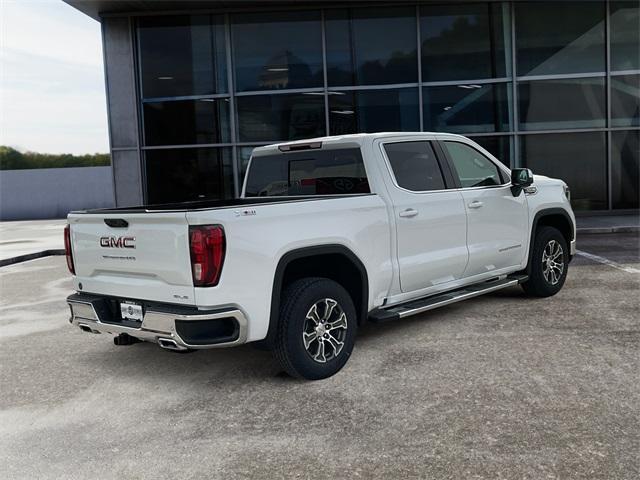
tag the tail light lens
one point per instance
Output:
(207, 247)
(67, 249)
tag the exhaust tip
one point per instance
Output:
(86, 328)
(170, 344)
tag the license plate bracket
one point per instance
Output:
(131, 311)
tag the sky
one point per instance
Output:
(52, 97)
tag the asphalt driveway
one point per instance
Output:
(498, 387)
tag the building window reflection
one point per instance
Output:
(552, 155)
(625, 101)
(559, 37)
(368, 111)
(277, 50)
(227, 83)
(280, 117)
(559, 104)
(625, 169)
(467, 108)
(182, 55)
(195, 174)
(367, 46)
(465, 41)
(625, 35)
(187, 122)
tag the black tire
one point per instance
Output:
(545, 281)
(296, 318)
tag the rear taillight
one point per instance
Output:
(67, 249)
(207, 247)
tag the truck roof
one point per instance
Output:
(353, 138)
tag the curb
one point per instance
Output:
(624, 229)
(30, 256)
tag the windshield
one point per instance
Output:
(312, 172)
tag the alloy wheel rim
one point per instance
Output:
(553, 262)
(325, 330)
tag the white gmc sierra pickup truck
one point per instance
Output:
(328, 233)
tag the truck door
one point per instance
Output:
(496, 220)
(431, 221)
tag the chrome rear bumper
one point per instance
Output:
(157, 326)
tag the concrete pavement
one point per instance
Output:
(26, 240)
(502, 386)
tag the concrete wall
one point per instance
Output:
(53, 192)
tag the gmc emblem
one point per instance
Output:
(118, 242)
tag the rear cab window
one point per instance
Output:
(338, 171)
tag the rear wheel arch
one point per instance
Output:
(557, 218)
(335, 262)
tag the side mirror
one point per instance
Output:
(520, 179)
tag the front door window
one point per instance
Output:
(472, 167)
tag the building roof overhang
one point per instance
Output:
(99, 8)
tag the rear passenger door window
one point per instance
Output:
(472, 168)
(415, 166)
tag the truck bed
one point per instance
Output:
(210, 204)
(143, 253)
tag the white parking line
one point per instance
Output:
(606, 261)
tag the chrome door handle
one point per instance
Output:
(409, 212)
(475, 204)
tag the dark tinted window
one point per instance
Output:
(466, 108)
(577, 158)
(625, 35)
(277, 50)
(313, 172)
(472, 167)
(188, 174)
(371, 46)
(625, 168)
(280, 117)
(559, 37)
(464, 41)
(182, 55)
(370, 111)
(625, 100)
(555, 104)
(415, 166)
(187, 122)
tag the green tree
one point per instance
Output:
(11, 159)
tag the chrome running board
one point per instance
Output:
(421, 305)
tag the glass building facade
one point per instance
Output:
(553, 86)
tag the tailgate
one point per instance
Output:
(140, 256)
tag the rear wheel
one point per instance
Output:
(317, 328)
(549, 263)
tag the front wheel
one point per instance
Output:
(317, 328)
(549, 263)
